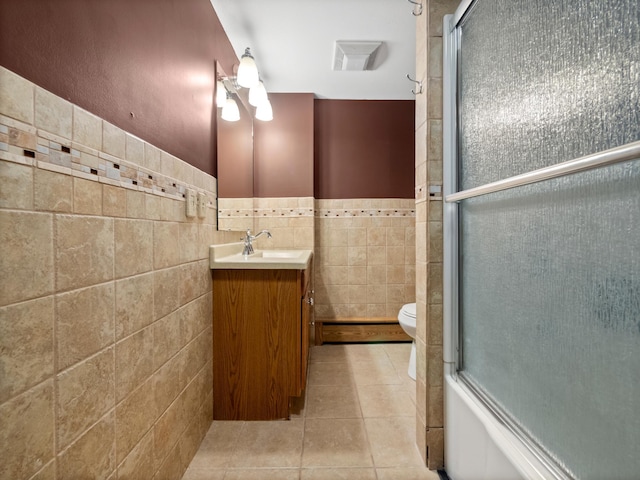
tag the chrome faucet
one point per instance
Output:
(248, 246)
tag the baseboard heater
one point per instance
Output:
(359, 330)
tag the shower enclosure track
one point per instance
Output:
(630, 151)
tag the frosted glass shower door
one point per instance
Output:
(549, 272)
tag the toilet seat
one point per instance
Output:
(408, 311)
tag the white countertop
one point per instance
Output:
(229, 256)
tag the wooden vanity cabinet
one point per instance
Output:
(260, 341)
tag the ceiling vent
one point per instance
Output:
(354, 56)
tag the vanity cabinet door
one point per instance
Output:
(256, 343)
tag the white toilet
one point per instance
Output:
(407, 319)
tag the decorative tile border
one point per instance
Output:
(22, 142)
(386, 212)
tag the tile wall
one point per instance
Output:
(105, 298)
(365, 257)
(289, 220)
(429, 382)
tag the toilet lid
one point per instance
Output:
(409, 310)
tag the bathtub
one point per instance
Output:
(478, 446)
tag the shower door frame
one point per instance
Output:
(507, 439)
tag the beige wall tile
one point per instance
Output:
(26, 259)
(435, 241)
(87, 128)
(437, 10)
(152, 158)
(434, 283)
(435, 325)
(47, 473)
(357, 275)
(153, 207)
(166, 291)
(134, 150)
(134, 361)
(166, 386)
(194, 280)
(53, 114)
(84, 393)
(396, 274)
(434, 140)
(435, 366)
(92, 455)
(377, 255)
(376, 274)
(376, 293)
(434, 65)
(357, 294)
(167, 338)
(195, 317)
(53, 191)
(84, 323)
(167, 430)
(26, 343)
(134, 304)
(376, 236)
(436, 408)
(139, 464)
(114, 201)
(20, 103)
(135, 204)
(395, 255)
(87, 197)
(84, 251)
(134, 418)
(166, 241)
(170, 467)
(357, 256)
(113, 140)
(26, 432)
(434, 93)
(188, 239)
(17, 185)
(435, 439)
(133, 247)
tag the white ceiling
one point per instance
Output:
(293, 44)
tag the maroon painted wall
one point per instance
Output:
(283, 148)
(364, 149)
(235, 156)
(155, 59)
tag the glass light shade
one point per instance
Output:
(230, 111)
(221, 94)
(247, 71)
(264, 111)
(258, 94)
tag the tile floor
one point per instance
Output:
(357, 422)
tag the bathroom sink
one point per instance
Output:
(229, 256)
